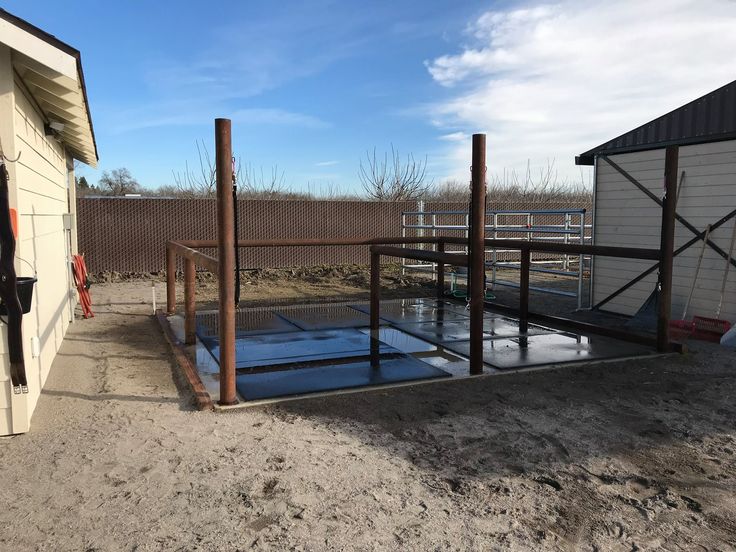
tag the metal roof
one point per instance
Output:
(51, 71)
(710, 118)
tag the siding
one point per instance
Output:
(625, 216)
(7, 108)
(41, 191)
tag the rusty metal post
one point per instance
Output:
(375, 306)
(667, 246)
(476, 251)
(526, 257)
(225, 259)
(190, 321)
(441, 273)
(170, 280)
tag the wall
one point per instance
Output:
(7, 139)
(625, 216)
(40, 183)
(129, 235)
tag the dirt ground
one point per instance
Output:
(618, 456)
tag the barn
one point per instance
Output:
(45, 127)
(628, 187)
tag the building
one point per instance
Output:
(44, 119)
(624, 215)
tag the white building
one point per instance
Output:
(44, 119)
(705, 131)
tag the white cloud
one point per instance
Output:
(196, 113)
(549, 81)
(326, 163)
(454, 137)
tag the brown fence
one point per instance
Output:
(129, 234)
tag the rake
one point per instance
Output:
(711, 329)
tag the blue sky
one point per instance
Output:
(311, 86)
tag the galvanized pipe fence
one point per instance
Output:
(566, 226)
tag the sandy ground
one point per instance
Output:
(619, 456)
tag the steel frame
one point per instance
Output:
(474, 260)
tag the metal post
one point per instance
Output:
(403, 235)
(476, 247)
(566, 239)
(440, 273)
(420, 221)
(667, 246)
(190, 322)
(495, 251)
(581, 261)
(524, 290)
(170, 281)
(434, 233)
(375, 292)
(226, 259)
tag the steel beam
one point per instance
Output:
(667, 247)
(190, 320)
(477, 252)
(226, 259)
(170, 280)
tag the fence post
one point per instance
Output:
(225, 259)
(476, 246)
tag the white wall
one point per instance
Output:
(624, 216)
(40, 184)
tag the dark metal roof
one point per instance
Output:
(710, 118)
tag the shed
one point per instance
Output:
(629, 178)
(45, 124)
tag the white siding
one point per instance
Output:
(7, 136)
(39, 181)
(625, 216)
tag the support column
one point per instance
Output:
(375, 306)
(225, 259)
(190, 323)
(667, 246)
(170, 281)
(524, 291)
(476, 251)
(441, 273)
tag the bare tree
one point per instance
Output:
(533, 187)
(257, 184)
(392, 180)
(202, 183)
(118, 182)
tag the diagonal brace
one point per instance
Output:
(678, 217)
(699, 236)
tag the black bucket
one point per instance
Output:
(24, 285)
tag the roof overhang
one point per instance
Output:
(51, 71)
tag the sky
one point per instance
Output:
(312, 86)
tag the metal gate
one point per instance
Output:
(555, 225)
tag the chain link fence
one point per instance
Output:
(128, 235)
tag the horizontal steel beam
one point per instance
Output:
(421, 255)
(313, 242)
(572, 248)
(199, 258)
